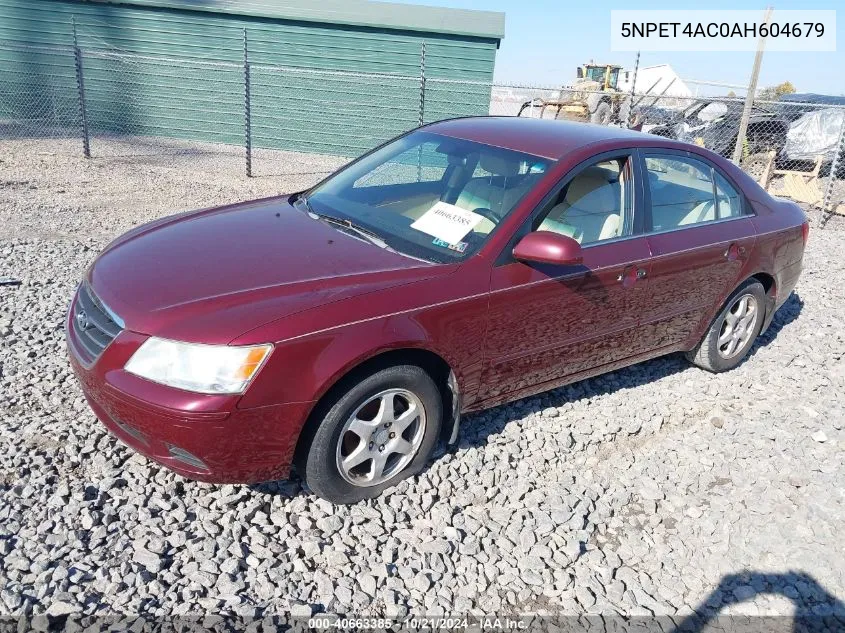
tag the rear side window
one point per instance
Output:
(729, 204)
(685, 192)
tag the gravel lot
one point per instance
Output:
(659, 489)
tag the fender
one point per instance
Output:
(313, 363)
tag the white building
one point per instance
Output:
(654, 80)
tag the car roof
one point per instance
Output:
(541, 137)
(812, 97)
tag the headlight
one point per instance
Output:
(201, 368)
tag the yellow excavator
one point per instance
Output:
(594, 97)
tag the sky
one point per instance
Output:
(545, 40)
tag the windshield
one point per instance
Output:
(596, 73)
(429, 196)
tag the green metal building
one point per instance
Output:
(331, 76)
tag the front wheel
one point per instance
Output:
(376, 433)
(733, 331)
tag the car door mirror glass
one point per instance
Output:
(545, 247)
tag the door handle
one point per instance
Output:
(641, 273)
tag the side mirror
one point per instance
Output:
(579, 73)
(545, 247)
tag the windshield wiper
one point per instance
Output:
(350, 226)
(343, 223)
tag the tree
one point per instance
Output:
(731, 93)
(773, 93)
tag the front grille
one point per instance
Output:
(94, 325)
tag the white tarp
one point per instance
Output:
(814, 134)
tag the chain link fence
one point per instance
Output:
(792, 149)
(118, 104)
(39, 94)
(144, 105)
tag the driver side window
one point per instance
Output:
(593, 206)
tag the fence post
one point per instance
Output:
(827, 203)
(633, 88)
(247, 112)
(751, 94)
(80, 86)
(422, 84)
(422, 108)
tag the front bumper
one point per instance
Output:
(199, 436)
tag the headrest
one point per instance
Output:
(498, 166)
(585, 183)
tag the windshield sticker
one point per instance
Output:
(447, 222)
(460, 246)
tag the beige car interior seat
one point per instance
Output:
(590, 210)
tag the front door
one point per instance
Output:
(547, 323)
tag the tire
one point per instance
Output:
(755, 164)
(357, 406)
(625, 112)
(601, 114)
(716, 357)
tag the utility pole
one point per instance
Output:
(752, 92)
(627, 120)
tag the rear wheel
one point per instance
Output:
(734, 329)
(755, 164)
(373, 435)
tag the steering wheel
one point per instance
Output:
(487, 213)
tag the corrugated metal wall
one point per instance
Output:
(164, 72)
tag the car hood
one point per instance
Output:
(210, 276)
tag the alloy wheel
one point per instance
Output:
(381, 437)
(737, 326)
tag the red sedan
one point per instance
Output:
(468, 263)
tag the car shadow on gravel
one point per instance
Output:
(786, 314)
(816, 609)
(286, 488)
(477, 427)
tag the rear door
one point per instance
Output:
(547, 323)
(700, 237)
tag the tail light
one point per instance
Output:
(805, 231)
